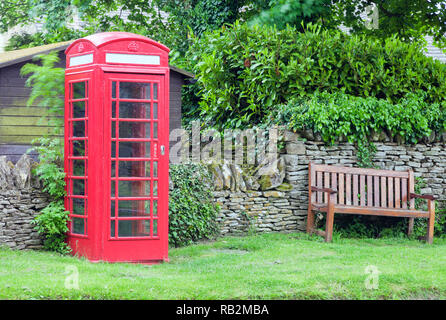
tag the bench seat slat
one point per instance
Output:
(376, 211)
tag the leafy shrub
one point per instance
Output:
(340, 115)
(52, 221)
(246, 71)
(192, 212)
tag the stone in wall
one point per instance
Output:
(229, 176)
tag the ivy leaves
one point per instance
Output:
(192, 212)
(336, 115)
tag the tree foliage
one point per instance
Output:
(244, 72)
(54, 14)
(173, 21)
(295, 12)
(409, 20)
(167, 21)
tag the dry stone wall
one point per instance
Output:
(21, 199)
(284, 206)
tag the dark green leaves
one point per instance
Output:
(245, 71)
(192, 212)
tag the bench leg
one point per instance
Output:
(410, 227)
(329, 226)
(330, 219)
(431, 222)
(310, 220)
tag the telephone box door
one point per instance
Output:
(136, 128)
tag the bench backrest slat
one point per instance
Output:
(319, 184)
(411, 190)
(404, 193)
(355, 189)
(376, 193)
(362, 190)
(341, 193)
(326, 183)
(348, 189)
(362, 187)
(397, 193)
(383, 192)
(311, 177)
(390, 192)
(369, 191)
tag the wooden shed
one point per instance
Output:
(20, 124)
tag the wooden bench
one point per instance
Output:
(336, 189)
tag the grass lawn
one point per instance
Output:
(266, 266)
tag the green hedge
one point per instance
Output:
(245, 71)
(338, 115)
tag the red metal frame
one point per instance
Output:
(98, 242)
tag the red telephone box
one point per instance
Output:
(116, 147)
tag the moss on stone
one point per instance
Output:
(265, 182)
(285, 187)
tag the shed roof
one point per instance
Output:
(16, 56)
(9, 58)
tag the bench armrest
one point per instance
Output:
(330, 191)
(425, 196)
